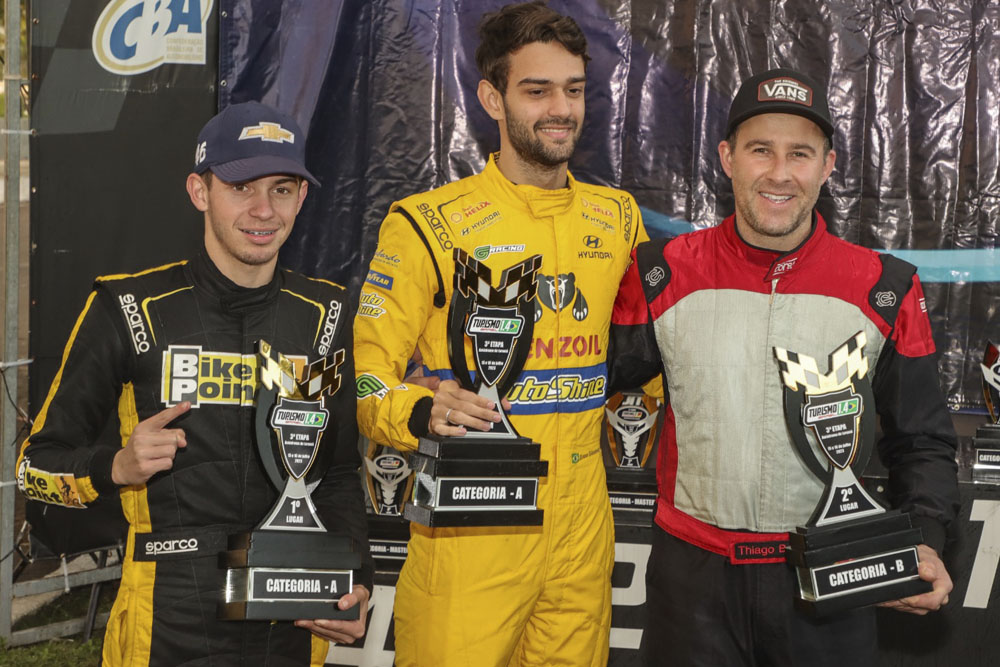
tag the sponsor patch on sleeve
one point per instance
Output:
(57, 488)
(379, 280)
(369, 385)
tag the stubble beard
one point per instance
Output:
(530, 148)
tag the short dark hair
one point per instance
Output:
(503, 32)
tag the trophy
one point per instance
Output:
(986, 443)
(629, 442)
(289, 567)
(388, 481)
(852, 551)
(483, 478)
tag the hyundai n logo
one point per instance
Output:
(592, 241)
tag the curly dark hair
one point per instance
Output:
(503, 32)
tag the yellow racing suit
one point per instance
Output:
(504, 595)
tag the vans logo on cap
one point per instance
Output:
(784, 89)
(267, 132)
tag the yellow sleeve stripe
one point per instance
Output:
(40, 419)
(120, 276)
(319, 307)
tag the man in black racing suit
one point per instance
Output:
(173, 349)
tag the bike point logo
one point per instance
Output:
(135, 36)
(202, 376)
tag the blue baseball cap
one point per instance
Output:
(249, 140)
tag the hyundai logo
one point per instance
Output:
(592, 241)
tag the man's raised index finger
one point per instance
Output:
(164, 417)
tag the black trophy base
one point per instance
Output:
(437, 518)
(476, 481)
(856, 563)
(633, 494)
(986, 455)
(287, 575)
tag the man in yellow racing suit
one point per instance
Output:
(507, 595)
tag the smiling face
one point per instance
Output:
(541, 113)
(246, 223)
(777, 163)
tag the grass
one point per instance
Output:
(66, 652)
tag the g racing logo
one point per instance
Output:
(136, 325)
(192, 374)
(135, 36)
(369, 385)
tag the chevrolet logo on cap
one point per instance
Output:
(267, 132)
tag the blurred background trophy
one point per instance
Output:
(852, 552)
(388, 483)
(289, 567)
(986, 443)
(632, 421)
(483, 478)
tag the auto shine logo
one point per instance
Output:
(135, 36)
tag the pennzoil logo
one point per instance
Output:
(57, 488)
(266, 131)
(135, 36)
(218, 378)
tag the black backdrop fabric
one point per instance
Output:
(387, 90)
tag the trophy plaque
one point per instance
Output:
(289, 567)
(483, 478)
(632, 421)
(986, 442)
(852, 551)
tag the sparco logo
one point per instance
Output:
(654, 276)
(885, 299)
(136, 325)
(329, 327)
(784, 89)
(181, 546)
(440, 233)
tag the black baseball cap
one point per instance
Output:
(781, 91)
(250, 140)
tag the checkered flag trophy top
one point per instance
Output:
(289, 567)
(483, 478)
(499, 321)
(839, 409)
(852, 552)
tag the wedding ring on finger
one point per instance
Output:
(447, 416)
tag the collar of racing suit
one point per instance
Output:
(774, 263)
(232, 297)
(538, 202)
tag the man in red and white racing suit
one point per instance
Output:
(707, 310)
